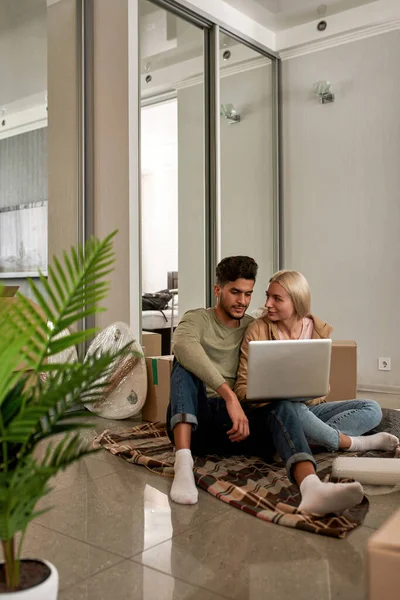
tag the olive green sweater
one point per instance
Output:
(209, 349)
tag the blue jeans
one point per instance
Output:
(273, 428)
(322, 423)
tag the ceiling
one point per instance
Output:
(283, 14)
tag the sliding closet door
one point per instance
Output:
(247, 165)
(172, 158)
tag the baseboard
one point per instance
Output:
(379, 388)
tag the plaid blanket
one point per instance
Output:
(247, 483)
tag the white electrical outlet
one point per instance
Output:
(384, 364)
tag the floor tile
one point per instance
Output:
(381, 508)
(244, 558)
(130, 581)
(125, 512)
(74, 560)
(91, 467)
(85, 470)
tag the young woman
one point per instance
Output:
(334, 425)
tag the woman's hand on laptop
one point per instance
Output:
(240, 423)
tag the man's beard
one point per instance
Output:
(227, 310)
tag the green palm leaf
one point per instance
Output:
(63, 390)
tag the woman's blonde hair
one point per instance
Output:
(298, 289)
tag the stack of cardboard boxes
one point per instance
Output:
(158, 377)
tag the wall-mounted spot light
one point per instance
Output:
(323, 90)
(230, 113)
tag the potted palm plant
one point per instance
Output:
(35, 407)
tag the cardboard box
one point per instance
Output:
(343, 380)
(151, 343)
(9, 291)
(158, 386)
(384, 561)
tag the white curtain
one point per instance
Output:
(23, 239)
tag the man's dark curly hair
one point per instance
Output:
(236, 267)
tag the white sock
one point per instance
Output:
(377, 441)
(324, 498)
(184, 489)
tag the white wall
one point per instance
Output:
(341, 185)
(159, 228)
(159, 199)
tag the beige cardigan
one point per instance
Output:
(263, 329)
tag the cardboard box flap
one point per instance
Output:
(350, 343)
(388, 536)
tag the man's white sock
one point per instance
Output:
(184, 489)
(377, 441)
(324, 498)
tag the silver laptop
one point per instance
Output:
(292, 369)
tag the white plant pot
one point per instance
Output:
(48, 590)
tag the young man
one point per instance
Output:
(205, 415)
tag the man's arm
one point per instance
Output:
(190, 353)
(241, 377)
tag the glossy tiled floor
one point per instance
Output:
(114, 534)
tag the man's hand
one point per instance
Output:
(240, 423)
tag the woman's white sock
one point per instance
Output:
(324, 498)
(184, 489)
(377, 441)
